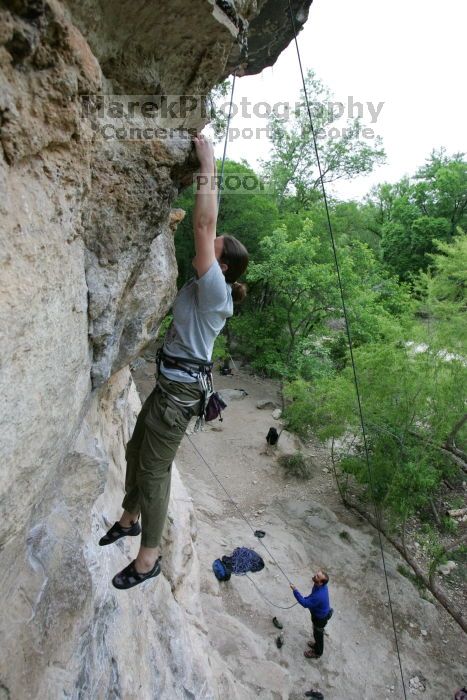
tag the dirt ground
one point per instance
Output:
(306, 528)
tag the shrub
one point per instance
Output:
(296, 465)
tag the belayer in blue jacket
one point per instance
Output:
(318, 605)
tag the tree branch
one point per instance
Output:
(428, 581)
(446, 451)
(450, 438)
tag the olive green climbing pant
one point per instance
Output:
(158, 432)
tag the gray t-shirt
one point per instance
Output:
(200, 310)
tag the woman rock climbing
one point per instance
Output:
(199, 313)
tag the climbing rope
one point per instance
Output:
(349, 340)
(281, 607)
(243, 516)
(243, 560)
(221, 178)
(350, 344)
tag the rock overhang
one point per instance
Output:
(175, 47)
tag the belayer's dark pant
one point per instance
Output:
(157, 435)
(318, 633)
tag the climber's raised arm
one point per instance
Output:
(205, 212)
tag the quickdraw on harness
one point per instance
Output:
(211, 404)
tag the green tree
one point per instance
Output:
(292, 168)
(441, 188)
(293, 291)
(443, 295)
(442, 308)
(405, 247)
(411, 388)
(411, 214)
(295, 295)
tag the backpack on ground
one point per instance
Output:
(272, 437)
(221, 572)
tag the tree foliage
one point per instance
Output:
(294, 296)
(292, 167)
(415, 212)
(403, 259)
(411, 393)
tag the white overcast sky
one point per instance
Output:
(409, 54)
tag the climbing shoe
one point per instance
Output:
(117, 531)
(276, 623)
(314, 694)
(129, 577)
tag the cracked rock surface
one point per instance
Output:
(88, 273)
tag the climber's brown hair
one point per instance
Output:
(235, 256)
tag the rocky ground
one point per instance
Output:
(306, 527)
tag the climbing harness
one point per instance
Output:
(350, 344)
(211, 404)
(192, 367)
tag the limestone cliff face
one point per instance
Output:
(66, 631)
(88, 272)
